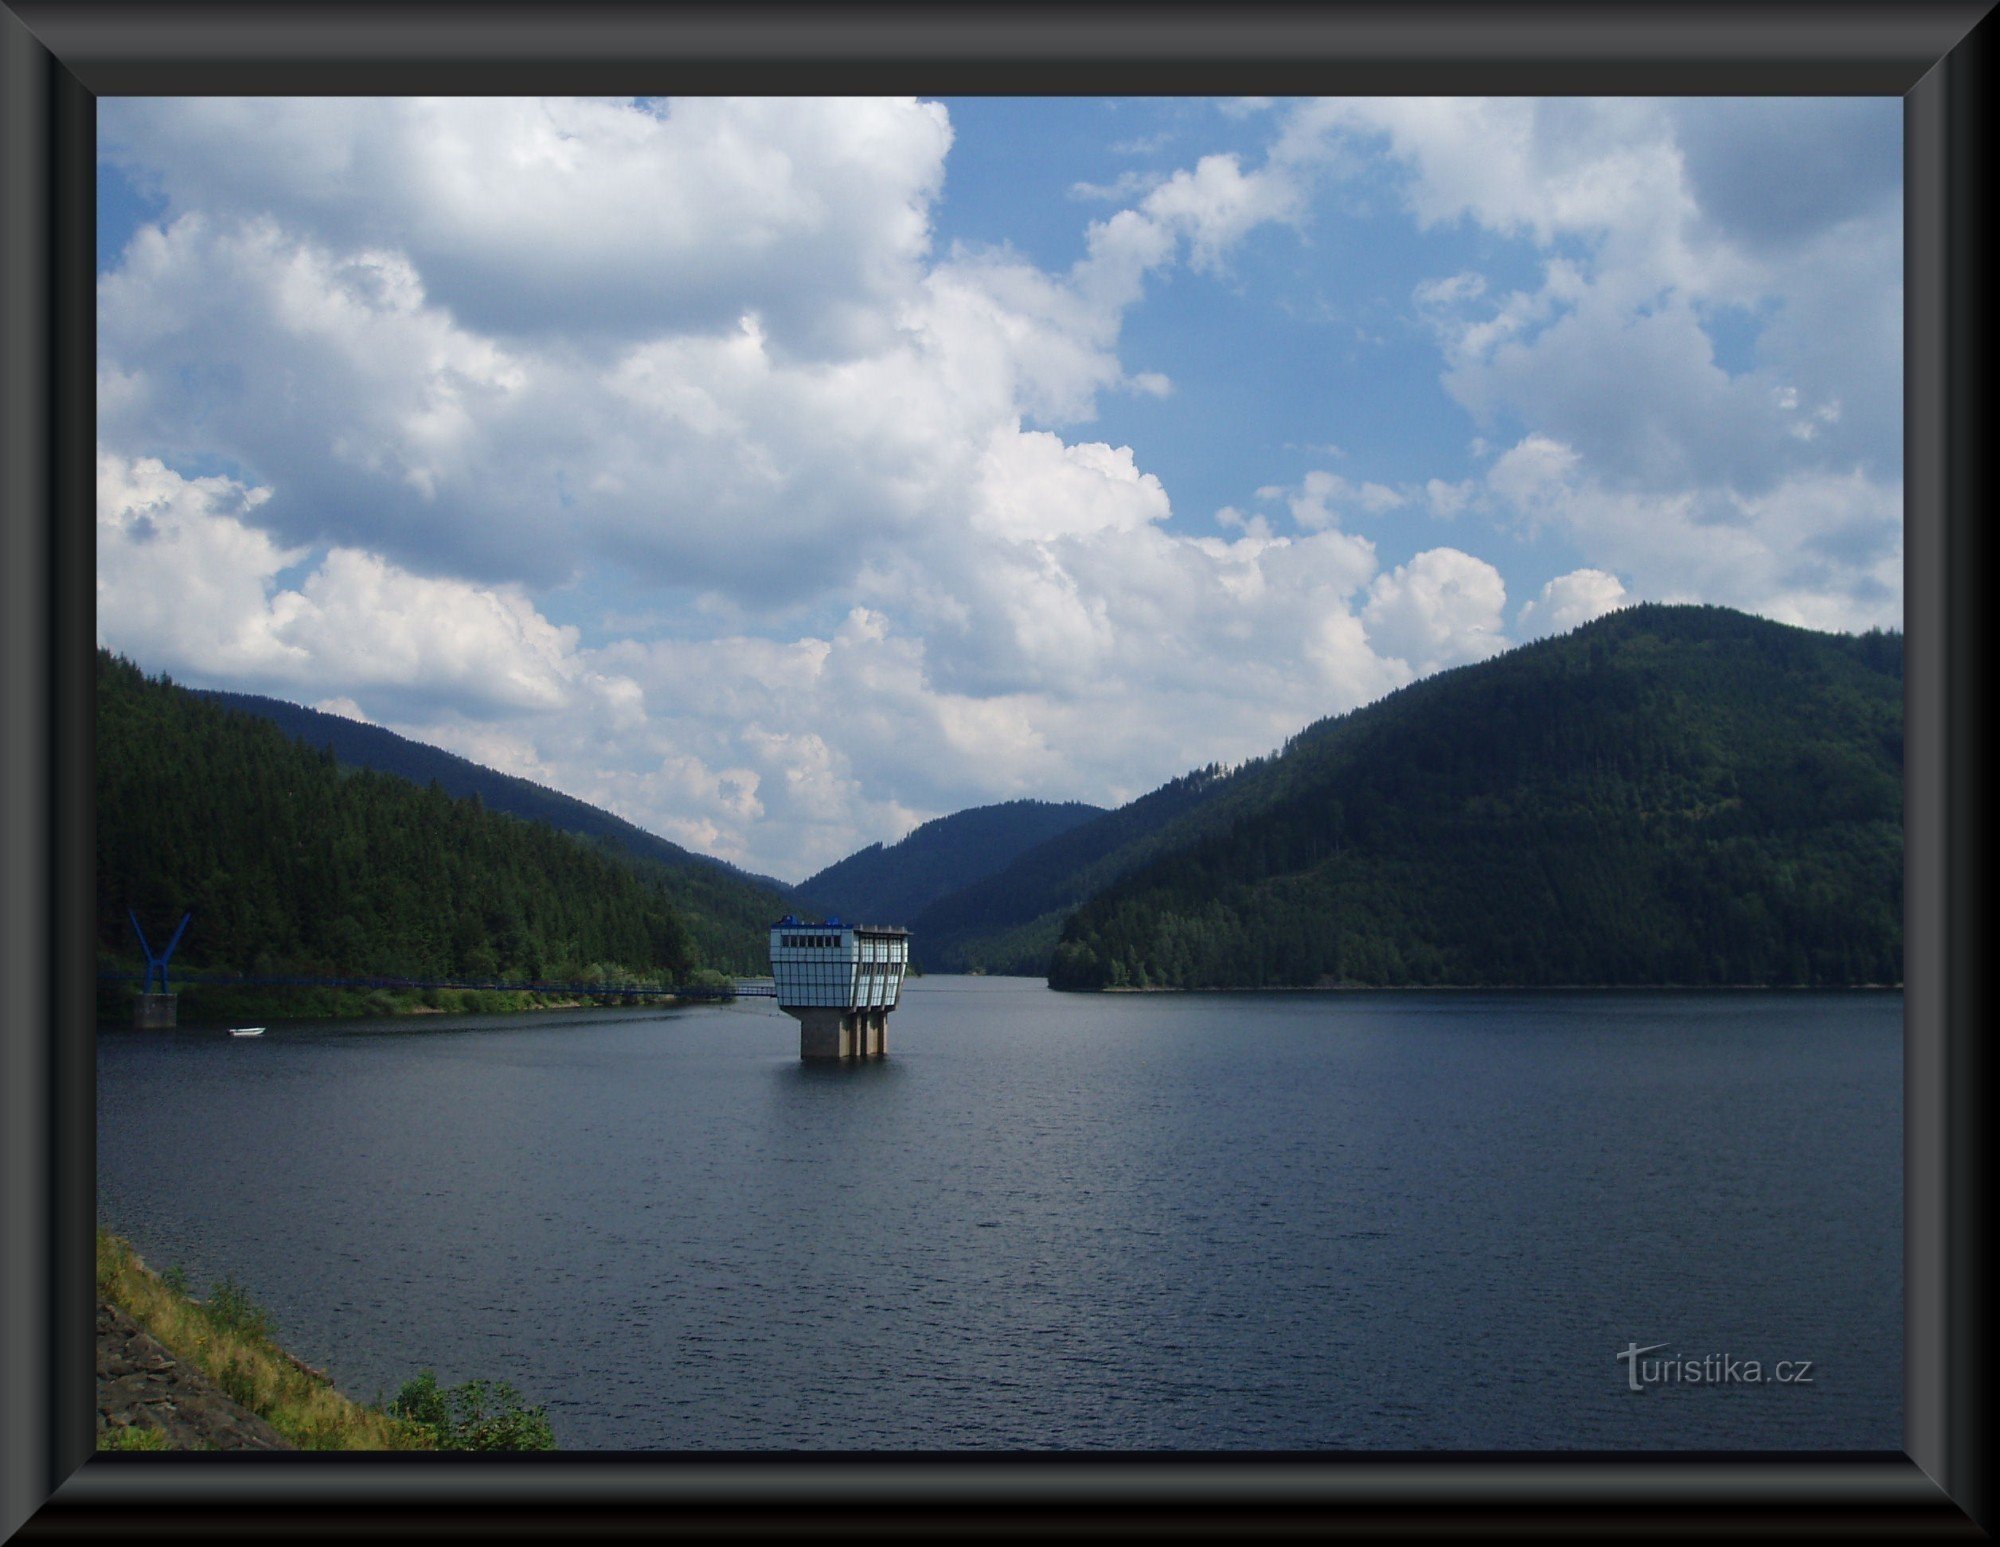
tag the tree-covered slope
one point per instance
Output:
(893, 883)
(727, 910)
(1667, 795)
(291, 863)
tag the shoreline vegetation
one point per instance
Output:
(203, 1005)
(1505, 988)
(229, 1340)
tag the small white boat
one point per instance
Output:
(246, 1031)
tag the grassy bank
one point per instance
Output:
(229, 1339)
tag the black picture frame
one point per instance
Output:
(57, 56)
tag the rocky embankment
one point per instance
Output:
(141, 1385)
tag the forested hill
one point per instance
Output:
(728, 910)
(1668, 795)
(291, 863)
(892, 884)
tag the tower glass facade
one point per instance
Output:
(838, 966)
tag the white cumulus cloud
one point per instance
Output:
(1571, 600)
(1443, 608)
(181, 578)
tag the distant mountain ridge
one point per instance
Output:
(893, 883)
(728, 910)
(1008, 922)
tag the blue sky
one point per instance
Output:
(781, 474)
(1311, 327)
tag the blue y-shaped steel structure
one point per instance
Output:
(157, 964)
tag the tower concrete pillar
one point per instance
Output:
(155, 1012)
(831, 1033)
(819, 1033)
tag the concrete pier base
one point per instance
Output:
(833, 1033)
(155, 1012)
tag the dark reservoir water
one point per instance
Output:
(1274, 1222)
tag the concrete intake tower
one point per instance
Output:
(840, 981)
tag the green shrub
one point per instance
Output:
(479, 1415)
(230, 1308)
